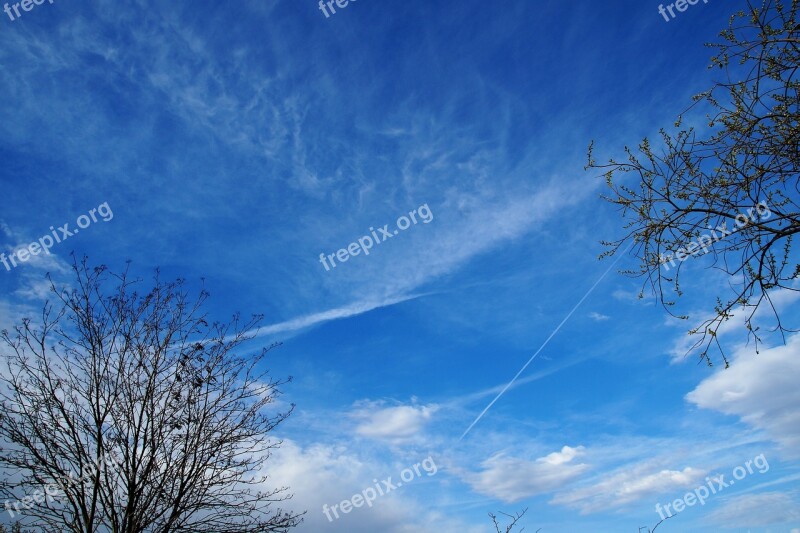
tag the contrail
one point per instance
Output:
(521, 370)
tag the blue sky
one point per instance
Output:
(237, 142)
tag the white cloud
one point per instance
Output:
(314, 319)
(512, 479)
(34, 268)
(598, 317)
(757, 510)
(761, 390)
(394, 424)
(566, 455)
(328, 474)
(627, 485)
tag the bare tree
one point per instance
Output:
(16, 528)
(516, 517)
(128, 412)
(656, 526)
(731, 191)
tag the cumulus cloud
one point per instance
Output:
(566, 455)
(598, 317)
(321, 474)
(761, 390)
(512, 479)
(396, 423)
(628, 485)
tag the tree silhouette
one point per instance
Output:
(128, 412)
(512, 524)
(731, 191)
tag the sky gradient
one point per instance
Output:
(236, 142)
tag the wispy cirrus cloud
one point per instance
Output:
(630, 484)
(315, 319)
(757, 510)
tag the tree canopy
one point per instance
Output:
(729, 190)
(128, 412)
